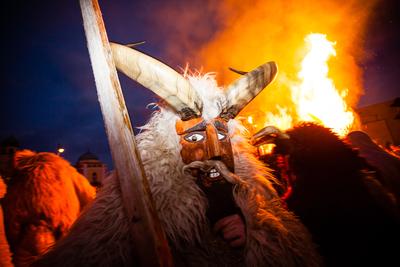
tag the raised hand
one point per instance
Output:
(232, 229)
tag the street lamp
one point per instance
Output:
(60, 149)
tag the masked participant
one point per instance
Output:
(213, 197)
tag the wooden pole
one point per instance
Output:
(150, 247)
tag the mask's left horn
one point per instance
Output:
(159, 78)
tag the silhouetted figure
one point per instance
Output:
(349, 213)
(388, 165)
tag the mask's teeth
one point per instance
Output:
(213, 173)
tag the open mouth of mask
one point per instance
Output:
(207, 172)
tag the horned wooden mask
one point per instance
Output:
(200, 139)
(205, 140)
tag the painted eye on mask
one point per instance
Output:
(221, 136)
(194, 137)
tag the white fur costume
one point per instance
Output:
(274, 236)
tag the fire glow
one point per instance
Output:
(319, 75)
(316, 99)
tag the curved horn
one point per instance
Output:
(268, 135)
(244, 89)
(132, 45)
(238, 71)
(159, 78)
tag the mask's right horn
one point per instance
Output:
(159, 78)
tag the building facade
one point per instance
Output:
(92, 168)
(382, 122)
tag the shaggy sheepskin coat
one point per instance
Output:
(45, 196)
(101, 236)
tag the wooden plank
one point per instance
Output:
(151, 247)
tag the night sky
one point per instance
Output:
(48, 95)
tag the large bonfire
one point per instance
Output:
(315, 97)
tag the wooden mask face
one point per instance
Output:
(203, 140)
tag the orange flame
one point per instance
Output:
(316, 98)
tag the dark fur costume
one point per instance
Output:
(45, 196)
(348, 212)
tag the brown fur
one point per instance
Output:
(45, 196)
(100, 236)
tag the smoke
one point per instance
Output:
(183, 28)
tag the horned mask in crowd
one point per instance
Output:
(200, 139)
